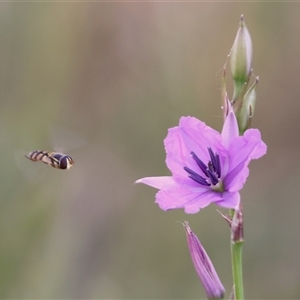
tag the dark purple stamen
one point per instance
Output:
(218, 165)
(200, 163)
(196, 177)
(213, 178)
(212, 170)
(215, 162)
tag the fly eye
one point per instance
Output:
(64, 162)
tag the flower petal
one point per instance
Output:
(230, 200)
(241, 151)
(230, 128)
(190, 135)
(159, 182)
(255, 136)
(191, 200)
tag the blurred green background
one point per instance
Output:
(117, 76)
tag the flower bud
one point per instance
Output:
(203, 266)
(245, 115)
(241, 60)
(237, 226)
(225, 100)
(235, 221)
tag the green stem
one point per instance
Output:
(237, 270)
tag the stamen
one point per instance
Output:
(215, 161)
(200, 163)
(212, 157)
(214, 180)
(218, 165)
(212, 170)
(196, 177)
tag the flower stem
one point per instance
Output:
(237, 270)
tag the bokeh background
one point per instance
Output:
(111, 78)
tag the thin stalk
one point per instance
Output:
(237, 270)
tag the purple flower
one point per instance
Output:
(207, 167)
(203, 266)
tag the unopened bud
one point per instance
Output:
(225, 100)
(237, 226)
(235, 221)
(245, 115)
(241, 60)
(203, 266)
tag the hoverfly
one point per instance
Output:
(54, 159)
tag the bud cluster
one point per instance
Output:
(243, 99)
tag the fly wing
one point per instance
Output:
(64, 140)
